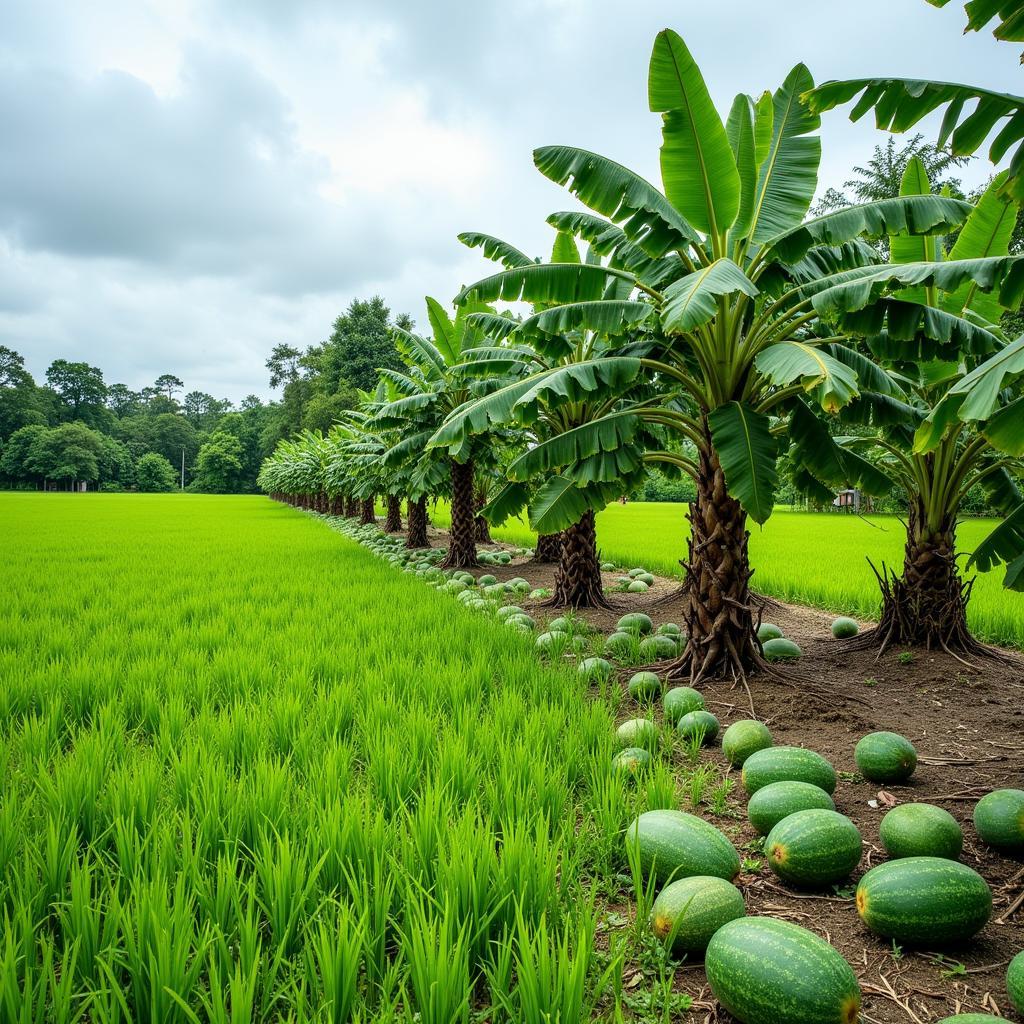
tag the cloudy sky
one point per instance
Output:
(185, 183)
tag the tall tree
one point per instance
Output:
(169, 385)
(79, 388)
(361, 343)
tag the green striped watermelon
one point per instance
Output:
(690, 910)
(744, 738)
(999, 819)
(813, 848)
(921, 830)
(631, 762)
(701, 723)
(765, 971)
(781, 649)
(924, 901)
(885, 757)
(644, 686)
(674, 844)
(1015, 982)
(638, 732)
(768, 631)
(973, 1018)
(787, 764)
(679, 701)
(768, 806)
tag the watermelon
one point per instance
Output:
(509, 610)
(674, 844)
(669, 629)
(560, 625)
(634, 573)
(787, 764)
(813, 848)
(679, 701)
(843, 628)
(973, 1018)
(921, 830)
(607, 567)
(549, 641)
(595, 669)
(638, 587)
(635, 622)
(781, 649)
(654, 648)
(631, 761)
(766, 971)
(744, 738)
(701, 723)
(999, 819)
(690, 910)
(644, 686)
(768, 631)
(1015, 982)
(924, 901)
(885, 757)
(778, 800)
(637, 732)
(620, 645)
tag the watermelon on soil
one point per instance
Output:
(635, 622)
(620, 644)
(768, 631)
(781, 649)
(690, 910)
(674, 844)
(644, 686)
(778, 800)
(631, 761)
(999, 819)
(680, 701)
(655, 648)
(637, 732)
(767, 971)
(787, 764)
(701, 723)
(595, 669)
(814, 848)
(921, 830)
(1015, 982)
(924, 901)
(843, 628)
(744, 738)
(885, 757)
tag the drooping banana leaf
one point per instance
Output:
(545, 282)
(833, 383)
(1005, 544)
(693, 300)
(496, 249)
(605, 436)
(747, 451)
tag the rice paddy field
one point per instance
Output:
(818, 559)
(251, 773)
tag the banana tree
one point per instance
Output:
(295, 471)
(710, 273)
(554, 385)
(946, 419)
(972, 114)
(433, 385)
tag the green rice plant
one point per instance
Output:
(698, 781)
(720, 794)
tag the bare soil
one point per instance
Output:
(968, 728)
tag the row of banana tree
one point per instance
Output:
(710, 328)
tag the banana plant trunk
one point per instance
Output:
(462, 534)
(393, 521)
(720, 620)
(416, 518)
(927, 605)
(483, 528)
(351, 508)
(578, 576)
(548, 549)
(366, 514)
(337, 505)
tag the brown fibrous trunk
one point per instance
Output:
(720, 618)
(548, 549)
(351, 508)
(366, 516)
(578, 577)
(483, 528)
(462, 534)
(393, 522)
(416, 517)
(926, 606)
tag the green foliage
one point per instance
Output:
(154, 473)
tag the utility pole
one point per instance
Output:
(183, 467)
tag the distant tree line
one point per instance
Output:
(73, 429)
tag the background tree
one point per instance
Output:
(21, 403)
(219, 464)
(168, 385)
(15, 463)
(153, 473)
(79, 389)
(68, 453)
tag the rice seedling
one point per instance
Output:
(252, 773)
